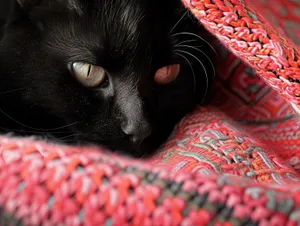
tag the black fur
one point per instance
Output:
(131, 39)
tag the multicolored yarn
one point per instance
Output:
(234, 162)
(45, 184)
(251, 38)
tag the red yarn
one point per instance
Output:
(235, 162)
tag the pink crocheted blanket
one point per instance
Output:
(235, 162)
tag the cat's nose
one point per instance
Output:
(137, 132)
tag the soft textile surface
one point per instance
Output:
(235, 162)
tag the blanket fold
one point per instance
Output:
(233, 162)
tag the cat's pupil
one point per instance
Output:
(89, 70)
(167, 74)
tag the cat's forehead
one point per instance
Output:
(114, 30)
(114, 21)
(112, 17)
(108, 8)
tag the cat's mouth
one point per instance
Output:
(142, 149)
(138, 149)
(145, 148)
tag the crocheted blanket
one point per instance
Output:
(234, 162)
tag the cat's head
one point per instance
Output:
(112, 72)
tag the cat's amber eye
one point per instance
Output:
(87, 74)
(166, 75)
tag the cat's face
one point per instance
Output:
(112, 72)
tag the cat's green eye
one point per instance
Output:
(88, 75)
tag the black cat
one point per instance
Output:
(120, 73)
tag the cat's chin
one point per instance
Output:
(141, 152)
(144, 150)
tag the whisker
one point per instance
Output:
(192, 34)
(206, 75)
(192, 47)
(194, 76)
(186, 41)
(178, 21)
(69, 142)
(65, 137)
(32, 131)
(38, 129)
(11, 91)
